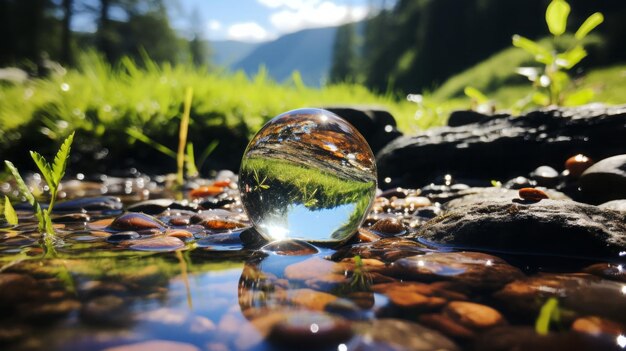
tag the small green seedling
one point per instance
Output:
(549, 313)
(9, 212)
(52, 174)
(553, 78)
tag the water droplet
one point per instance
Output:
(300, 187)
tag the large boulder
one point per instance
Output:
(550, 227)
(503, 146)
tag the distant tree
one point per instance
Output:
(198, 48)
(66, 32)
(344, 61)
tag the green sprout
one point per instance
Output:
(9, 212)
(360, 279)
(52, 173)
(551, 81)
(185, 159)
(549, 313)
(260, 183)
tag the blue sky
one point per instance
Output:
(248, 20)
(262, 20)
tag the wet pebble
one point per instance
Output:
(598, 326)
(136, 221)
(395, 334)
(154, 345)
(205, 191)
(310, 299)
(72, 218)
(104, 310)
(15, 288)
(385, 249)
(532, 194)
(388, 226)
(471, 269)
(157, 244)
(520, 182)
(180, 234)
(611, 271)
(577, 164)
(122, 236)
(310, 331)
(100, 203)
(473, 315)
(157, 206)
(545, 176)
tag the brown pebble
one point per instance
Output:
(162, 243)
(532, 194)
(576, 165)
(310, 299)
(180, 234)
(473, 315)
(154, 345)
(205, 191)
(597, 326)
(313, 330)
(136, 221)
(388, 226)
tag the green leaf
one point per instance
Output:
(540, 53)
(581, 97)
(476, 94)
(9, 212)
(44, 168)
(60, 160)
(590, 23)
(549, 311)
(540, 99)
(496, 183)
(556, 16)
(21, 185)
(571, 57)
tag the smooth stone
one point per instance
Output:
(100, 203)
(220, 220)
(579, 294)
(310, 330)
(520, 338)
(317, 269)
(545, 176)
(520, 182)
(473, 315)
(598, 326)
(122, 236)
(472, 269)
(411, 295)
(290, 247)
(532, 194)
(157, 244)
(155, 345)
(136, 221)
(396, 334)
(609, 271)
(615, 205)
(537, 228)
(310, 299)
(180, 234)
(226, 241)
(605, 180)
(72, 218)
(157, 206)
(214, 203)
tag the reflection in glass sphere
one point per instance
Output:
(307, 174)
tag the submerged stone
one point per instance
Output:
(307, 174)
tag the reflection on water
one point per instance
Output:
(307, 174)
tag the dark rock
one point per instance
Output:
(547, 227)
(122, 236)
(466, 269)
(15, 288)
(136, 221)
(388, 226)
(504, 147)
(464, 117)
(376, 125)
(72, 218)
(395, 334)
(386, 249)
(310, 331)
(605, 180)
(607, 271)
(104, 310)
(157, 206)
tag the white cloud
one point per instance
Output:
(292, 4)
(248, 31)
(214, 25)
(312, 14)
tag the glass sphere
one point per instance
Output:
(307, 174)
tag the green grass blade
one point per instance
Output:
(146, 140)
(207, 152)
(9, 212)
(192, 170)
(182, 134)
(60, 160)
(44, 168)
(21, 185)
